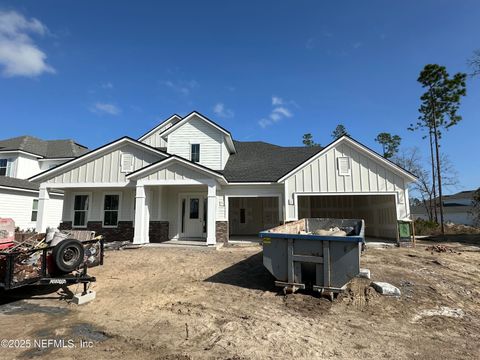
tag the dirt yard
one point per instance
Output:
(177, 303)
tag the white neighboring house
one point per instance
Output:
(22, 157)
(457, 208)
(188, 179)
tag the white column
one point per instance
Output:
(43, 198)
(139, 234)
(211, 214)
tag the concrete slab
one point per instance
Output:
(81, 298)
(386, 288)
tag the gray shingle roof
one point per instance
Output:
(18, 183)
(44, 148)
(263, 162)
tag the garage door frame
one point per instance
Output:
(379, 193)
(278, 196)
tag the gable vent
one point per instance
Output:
(343, 165)
(127, 163)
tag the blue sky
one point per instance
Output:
(266, 70)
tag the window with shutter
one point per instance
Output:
(343, 166)
(127, 163)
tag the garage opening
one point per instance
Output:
(250, 215)
(378, 211)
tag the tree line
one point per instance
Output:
(438, 112)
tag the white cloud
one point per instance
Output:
(105, 108)
(282, 111)
(106, 85)
(19, 55)
(277, 100)
(183, 87)
(357, 45)
(220, 110)
(279, 112)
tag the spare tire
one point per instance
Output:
(68, 255)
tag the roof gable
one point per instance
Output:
(109, 148)
(197, 115)
(359, 147)
(154, 171)
(171, 119)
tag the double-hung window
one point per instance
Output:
(110, 209)
(80, 210)
(5, 167)
(195, 153)
(34, 210)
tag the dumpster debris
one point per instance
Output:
(364, 273)
(386, 289)
(440, 311)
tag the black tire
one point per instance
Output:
(68, 255)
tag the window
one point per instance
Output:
(242, 216)
(80, 210)
(34, 210)
(194, 210)
(343, 165)
(5, 167)
(195, 153)
(126, 163)
(110, 210)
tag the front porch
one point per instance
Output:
(172, 199)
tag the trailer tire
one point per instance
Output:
(68, 255)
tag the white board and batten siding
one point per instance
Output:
(18, 205)
(106, 168)
(197, 131)
(367, 176)
(154, 139)
(175, 172)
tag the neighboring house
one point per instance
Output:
(188, 179)
(457, 208)
(22, 157)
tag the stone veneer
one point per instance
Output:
(158, 231)
(221, 232)
(123, 232)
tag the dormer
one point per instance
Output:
(195, 138)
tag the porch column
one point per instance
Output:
(139, 236)
(43, 200)
(212, 214)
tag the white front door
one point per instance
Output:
(193, 216)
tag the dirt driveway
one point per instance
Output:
(176, 303)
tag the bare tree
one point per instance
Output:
(411, 160)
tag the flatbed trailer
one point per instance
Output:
(63, 264)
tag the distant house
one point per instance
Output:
(22, 157)
(188, 179)
(457, 208)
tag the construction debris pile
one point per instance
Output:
(27, 262)
(333, 231)
(23, 253)
(440, 249)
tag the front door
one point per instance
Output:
(193, 216)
